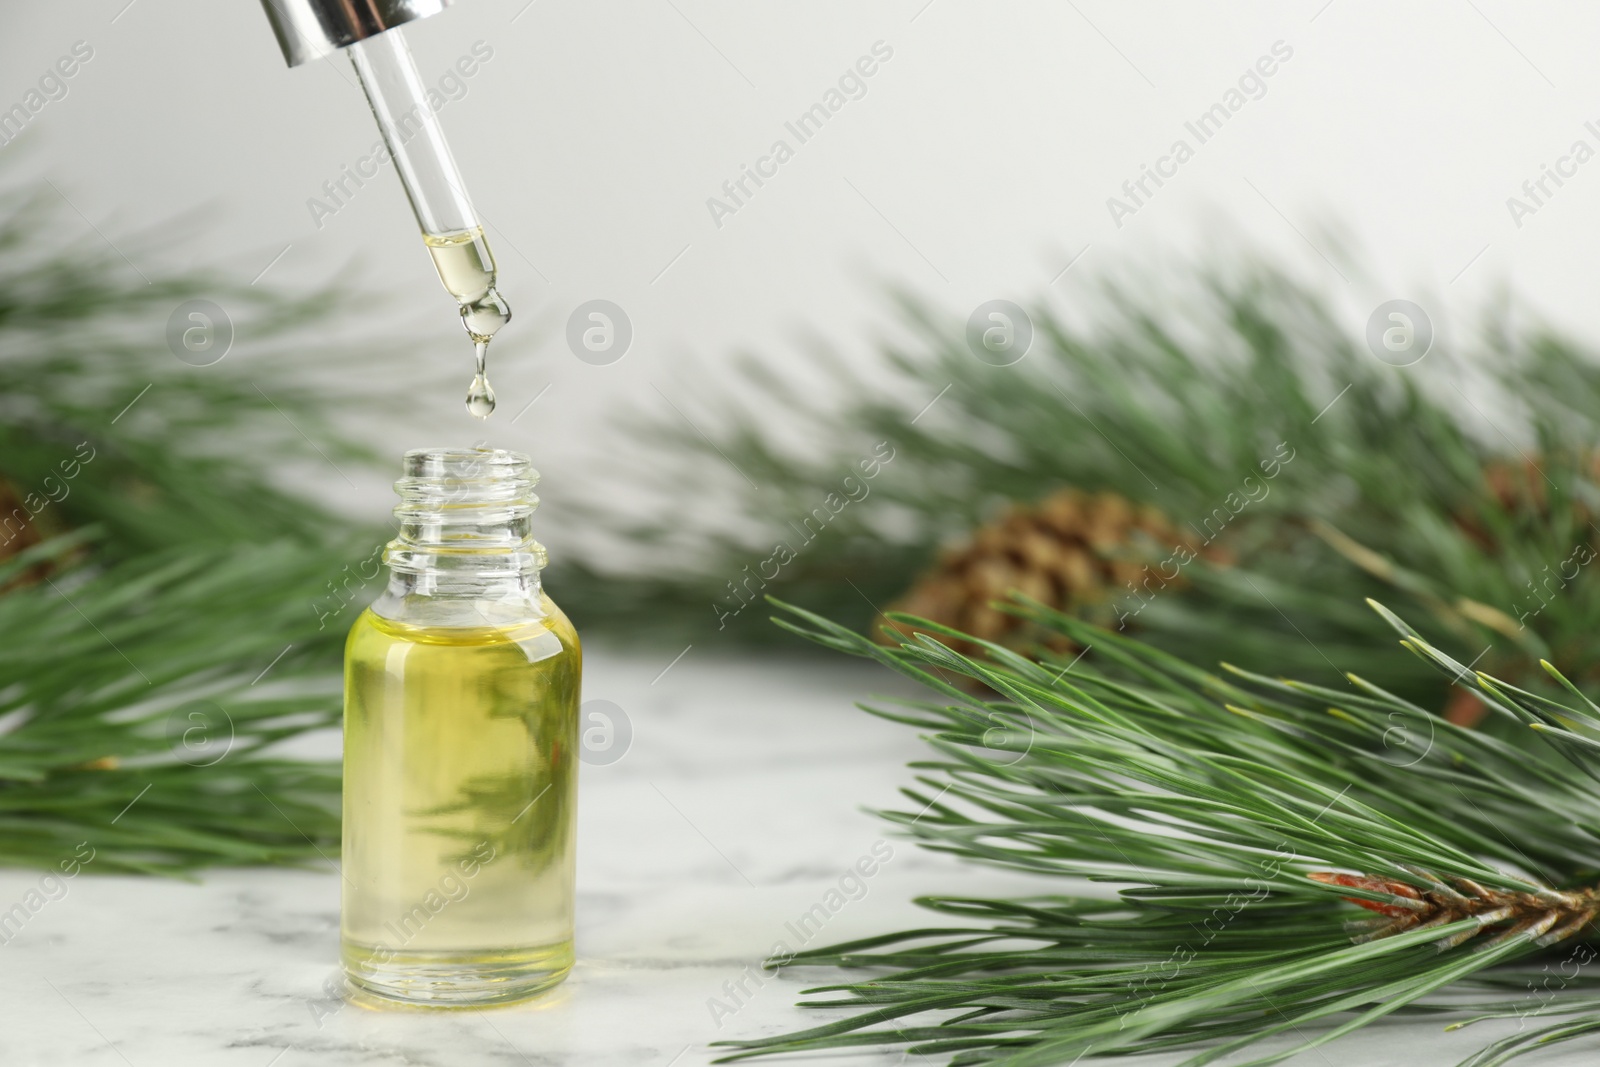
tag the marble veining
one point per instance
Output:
(737, 807)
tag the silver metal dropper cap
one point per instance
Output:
(311, 29)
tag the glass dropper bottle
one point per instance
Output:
(451, 229)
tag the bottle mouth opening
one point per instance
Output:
(474, 480)
(468, 464)
(466, 510)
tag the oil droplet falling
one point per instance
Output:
(480, 398)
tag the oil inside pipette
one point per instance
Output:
(466, 267)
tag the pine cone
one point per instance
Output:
(17, 530)
(1520, 488)
(1073, 551)
(20, 530)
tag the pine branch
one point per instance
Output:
(178, 454)
(1234, 814)
(174, 616)
(151, 733)
(1175, 395)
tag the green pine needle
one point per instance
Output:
(1210, 802)
(180, 624)
(1183, 391)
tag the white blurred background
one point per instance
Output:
(977, 164)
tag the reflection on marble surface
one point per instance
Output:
(733, 823)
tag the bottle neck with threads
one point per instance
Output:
(465, 554)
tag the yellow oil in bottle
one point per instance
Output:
(459, 806)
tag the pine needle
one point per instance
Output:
(1280, 875)
(1190, 388)
(179, 623)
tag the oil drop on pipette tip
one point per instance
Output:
(467, 271)
(480, 398)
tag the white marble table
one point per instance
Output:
(736, 808)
